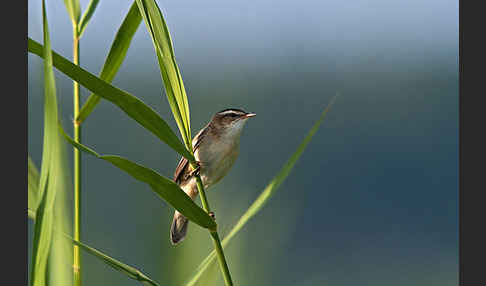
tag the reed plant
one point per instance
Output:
(52, 244)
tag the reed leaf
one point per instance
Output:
(263, 198)
(169, 71)
(115, 264)
(60, 260)
(163, 187)
(60, 255)
(115, 58)
(74, 11)
(87, 16)
(128, 270)
(33, 184)
(50, 169)
(131, 105)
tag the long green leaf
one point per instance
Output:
(60, 260)
(263, 198)
(60, 255)
(87, 16)
(117, 265)
(115, 58)
(174, 87)
(165, 188)
(33, 184)
(131, 105)
(50, 169)
(72, 6)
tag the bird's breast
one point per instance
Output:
(216, 160)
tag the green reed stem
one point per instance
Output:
(214, 234)
(77, 167)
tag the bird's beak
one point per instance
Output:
(248, 115)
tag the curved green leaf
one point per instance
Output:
(72, 6)
(115, 264)
(131, 105)
(61, 253)
(174, 87)
(165, 188)
(49, 181)
(115, 58)
(87, 16)
(263, 198)
(112, 262)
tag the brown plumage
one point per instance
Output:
(216, 148)
(182, 172)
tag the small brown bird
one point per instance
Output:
(216, 148)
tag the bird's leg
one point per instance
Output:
(197, 171)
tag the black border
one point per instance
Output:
(472, 143)
(14, 140)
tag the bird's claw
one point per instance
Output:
(197, 171)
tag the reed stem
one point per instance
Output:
(77, 167)
(214, 234)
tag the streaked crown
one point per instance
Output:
(229, 117)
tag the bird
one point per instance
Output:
(216, 148)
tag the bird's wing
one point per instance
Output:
(181, 171)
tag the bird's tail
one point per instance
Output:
(178, 228)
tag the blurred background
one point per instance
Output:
(374, 198)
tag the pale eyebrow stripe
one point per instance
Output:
(230, 111)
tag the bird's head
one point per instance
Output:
(230, 121)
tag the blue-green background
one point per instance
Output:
(372, 201)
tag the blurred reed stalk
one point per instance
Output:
(77, 165)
